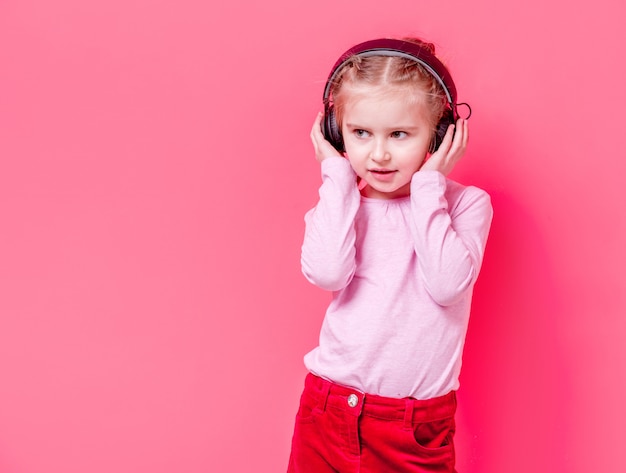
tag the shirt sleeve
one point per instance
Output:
(328, 251)
(449, 236)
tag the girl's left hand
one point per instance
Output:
(451, 149)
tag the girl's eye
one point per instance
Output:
(398, 134)
(361, 133)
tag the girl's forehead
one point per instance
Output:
(385, 107)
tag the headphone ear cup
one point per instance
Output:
(331, 130)
(446, 120)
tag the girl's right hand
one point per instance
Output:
(323, 149)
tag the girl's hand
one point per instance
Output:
(323, 149)
(451, 149)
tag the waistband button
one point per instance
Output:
(353, 400)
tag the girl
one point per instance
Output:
(400, 246)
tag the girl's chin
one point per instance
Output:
(376, 191)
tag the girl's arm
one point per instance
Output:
(449, 237)
(328, 251)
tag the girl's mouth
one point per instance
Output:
(382, 175)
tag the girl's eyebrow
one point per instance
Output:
(394, 128)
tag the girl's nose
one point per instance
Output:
(379, 152)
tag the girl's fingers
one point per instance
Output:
(459, 135)
(316, 130)
(459, 142)
(446, 143)
(448, 138)
(323, 149)
(316, 125)
(464, 124)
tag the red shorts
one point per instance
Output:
(342, 430)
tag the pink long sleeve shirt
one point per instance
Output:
(402, 273)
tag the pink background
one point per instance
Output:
(154, 171)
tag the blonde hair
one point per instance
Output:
(389, 74)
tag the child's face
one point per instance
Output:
(386, 137)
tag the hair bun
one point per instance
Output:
(430, 47)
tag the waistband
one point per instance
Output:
(355, 402)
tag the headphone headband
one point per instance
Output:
(398, 48)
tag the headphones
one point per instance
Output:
(394, 48)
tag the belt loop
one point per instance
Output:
(408, 414)
(324, 394)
